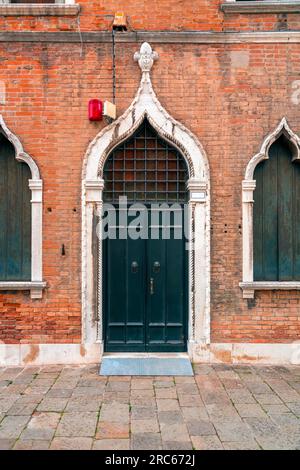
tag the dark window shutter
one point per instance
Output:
(15, 216)
(276, 216)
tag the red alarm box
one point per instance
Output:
(95, 110)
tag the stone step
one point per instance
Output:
(146, 364)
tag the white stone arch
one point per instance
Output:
(248, 186)
(36, 284)
(146, 104)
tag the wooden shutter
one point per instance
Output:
(276, 215)
(15, 216)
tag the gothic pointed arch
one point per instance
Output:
(146, 105)
(283, 129)
(20, 154)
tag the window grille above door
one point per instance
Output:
(145, 168)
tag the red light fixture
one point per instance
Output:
(95, 110)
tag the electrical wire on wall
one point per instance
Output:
(114, 65)
(119, 24)
(80, 35)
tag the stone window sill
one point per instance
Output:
(35, 287)
(261, 7)
(249, 288)
(51, 9)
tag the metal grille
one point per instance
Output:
(145, 168)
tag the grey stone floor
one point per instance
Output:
(222, 407)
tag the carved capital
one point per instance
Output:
(248, 189)
(198, 189)
(94, 190)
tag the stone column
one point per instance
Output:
(248, 187)
(199, 317)
(36, 187)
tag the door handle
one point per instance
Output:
(134, 267)
(151, 286)
(156, 267)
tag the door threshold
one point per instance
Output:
(164, 355)
(146, 364)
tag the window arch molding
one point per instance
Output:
(248, 285)
(35, 284)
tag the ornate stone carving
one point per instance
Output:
(145, 57)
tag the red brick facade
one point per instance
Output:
(229, 95)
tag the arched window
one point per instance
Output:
(15, 216)
(276, 216)
(271, 214)
(20, 217)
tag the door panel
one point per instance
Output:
(167, 303)
(145, 287)
(124, 289)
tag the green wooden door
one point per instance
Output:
(145, 293)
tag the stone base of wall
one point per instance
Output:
(228, 353)
(40, 354)
(246, 353)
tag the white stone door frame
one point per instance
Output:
(146, 104)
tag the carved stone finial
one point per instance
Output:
(145, 57)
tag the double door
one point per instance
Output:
(145, 290)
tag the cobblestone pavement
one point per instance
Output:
(222, 407)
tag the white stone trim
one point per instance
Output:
(156, 37)
(249, 288)
(263, 154)
(36, 288)
(80, 354)
(59, 8)
(248, 187)
(257, 7)
(36, 187)
(146, 104)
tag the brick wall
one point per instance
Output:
(230, 96)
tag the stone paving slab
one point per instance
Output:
(80, 424)
(71, 443)
(12, 426)
(109, 430)
(111, 444)
(32, 444)
(222, 407)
